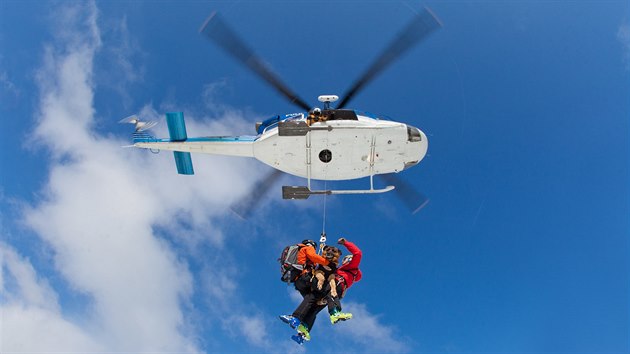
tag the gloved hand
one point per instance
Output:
(341, 241)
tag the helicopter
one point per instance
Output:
(328, 143)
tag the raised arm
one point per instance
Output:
(312, 255)
(354, 250)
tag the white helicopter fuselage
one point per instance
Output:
(351, 149)
(325, 150)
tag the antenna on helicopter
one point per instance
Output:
(326, 99)
(139, 125)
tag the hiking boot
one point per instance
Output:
(298, 338)
(304, 331)
(340, 316)
(292, 321)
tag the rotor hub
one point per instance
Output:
(327, 99)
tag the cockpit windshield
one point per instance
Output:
(339, 114)
(413, 134)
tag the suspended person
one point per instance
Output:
(346, 275)
(308, 257)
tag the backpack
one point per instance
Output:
(289, 269)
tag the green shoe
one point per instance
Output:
(302, 329)
(340, 316)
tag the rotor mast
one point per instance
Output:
(327, 99)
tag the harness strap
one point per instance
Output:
(354, 272)
(341, 281)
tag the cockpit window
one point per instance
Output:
(413, 134)
(339, 114)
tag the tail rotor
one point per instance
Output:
(140, 126)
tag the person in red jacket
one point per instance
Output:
(346, 275)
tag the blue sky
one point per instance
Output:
(522, 248)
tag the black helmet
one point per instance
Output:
(309, 243)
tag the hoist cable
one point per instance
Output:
(324, 219)
(322, 239)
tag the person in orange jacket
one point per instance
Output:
(308, 257)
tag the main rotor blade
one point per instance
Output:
(413, 199)
(218, 31)
(247, 204)
(419, 28)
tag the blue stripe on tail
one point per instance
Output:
(183, 160)
(176, 126)
(177, 132)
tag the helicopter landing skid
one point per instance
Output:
(303, 192)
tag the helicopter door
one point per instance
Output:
(340, 154)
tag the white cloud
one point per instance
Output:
(365, 332)
(110, 215)
(253, 328)
(97, 213)
(30, 310)
(365, 329)
(98, 217)
(18, 274)
(219, 285)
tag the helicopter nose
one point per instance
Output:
(417, 145)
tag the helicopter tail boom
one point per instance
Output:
(182, 146)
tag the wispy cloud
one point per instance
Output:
(124, 57)
(623, 35)
(253, 330)
(367, 330)
(30, 310)
(19, 276)
(7, 85)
